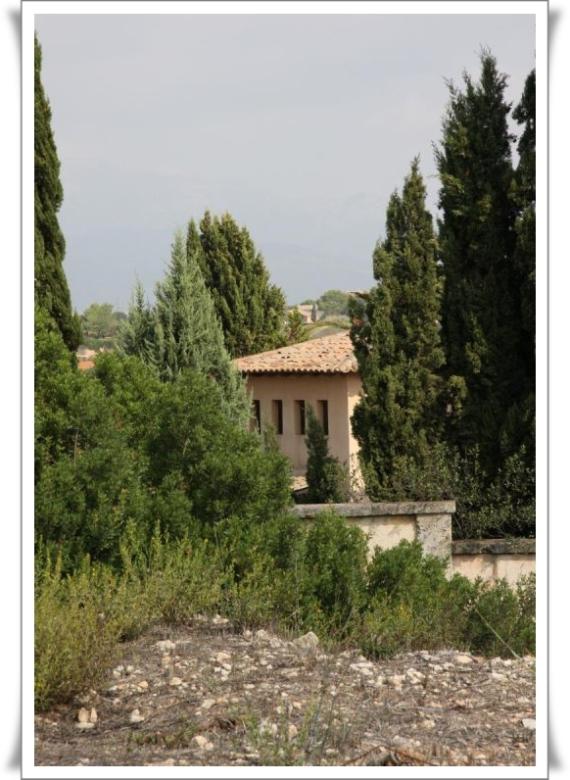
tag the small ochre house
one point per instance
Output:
(322, 373)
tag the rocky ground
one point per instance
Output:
(204, 695)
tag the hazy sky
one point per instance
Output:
(300, 126)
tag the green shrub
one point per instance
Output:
(75, 638)
(503, 621)
(335, 561)
(413, 605)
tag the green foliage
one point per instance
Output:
(120, 445)
(396, 337)
(333, 302)
(335, 558)
(51, 290)
(99, 320)
(224, 469)
(413, 605)
(251, 309)
(182, 331)
(327, 479)
(481, 309)
(296, 327)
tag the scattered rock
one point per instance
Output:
(414, 676)
(396, 680)
(85, 725)
(292, 731)
(202, 742)
(143, 685)
(463, 659)
(307, 643)
(174, 681)
(207, 704)
(529, 723)
(166, 645)
(136, 717)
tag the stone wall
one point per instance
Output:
(429, 522)
(493, 558)
(387, 524)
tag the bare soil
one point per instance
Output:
(209, 696)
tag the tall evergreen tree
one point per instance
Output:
(525, 265)
(136, 333)
(251, 309)
(51, 290)
(327, 479)
(185, 331)
(398, 347)
(481, 322)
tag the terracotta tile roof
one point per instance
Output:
(327, 355)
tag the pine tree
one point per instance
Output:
(136, 333)
(51, 290)
(251, 310)
(481, 323)
(185, 332)
(398, 347)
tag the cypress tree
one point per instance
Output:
(398, 347)
(481, 323)
(525, 261)
(327, 480)
(251, 310)
(51, 290)
(185, 332)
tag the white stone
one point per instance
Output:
(262, 635)
(396, 680)
(143, 685)
(85, 725)
(175, 681)
(497, 676)
(223, 658)
(207, 704)
(529, 723)
(83, 715)
(202, 742)
(307, 642)
(166, 645)
(292, 731)
(129, 669)
(415, 677)
(463, 659)
(93, 715)
(380, 681)
(136, 717)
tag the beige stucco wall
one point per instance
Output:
(340, 390)
(491, 567)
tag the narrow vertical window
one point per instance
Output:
(324, 416)
(277, 416)
(257, 415)
(300, 417)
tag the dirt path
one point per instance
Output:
(204, 695)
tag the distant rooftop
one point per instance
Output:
(326, 355)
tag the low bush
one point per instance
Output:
(282, 574)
